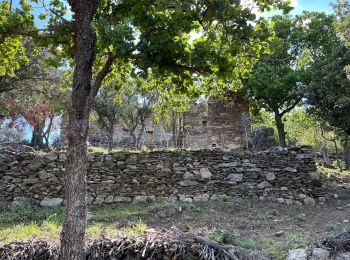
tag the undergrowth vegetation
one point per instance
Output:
(242, 223)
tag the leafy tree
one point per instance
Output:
(278, 77)
(302, 127)
(12, 23)
(329, 91)
(25, 77)
(305, 129)
(38, 109)
(33, 93)
(134, 111)
(342, 25)
(23, 70)
(153, 35)
(328, 94)
(107, 110)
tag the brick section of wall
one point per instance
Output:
(224, 127)
(286, 176)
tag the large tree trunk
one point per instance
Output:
(73, 232)
(280, 130)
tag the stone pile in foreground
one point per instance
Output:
(336, 247)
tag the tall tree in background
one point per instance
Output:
(342, 25)
(33, 98)
(13, 24)
(278, 77)
(328, 94)
(27, 74)
(39, 114)
(134, 111)
(107, 110)
(39, 106)
(25, 78)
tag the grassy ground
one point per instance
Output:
(262, 226)
(103, 150)
(329, 172)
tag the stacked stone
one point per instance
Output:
(280, 174)
(262, 138)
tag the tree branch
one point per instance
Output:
(99, 78)
(292, 106)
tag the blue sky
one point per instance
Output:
(312, 5)
(306, 5)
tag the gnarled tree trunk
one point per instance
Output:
(73, 232)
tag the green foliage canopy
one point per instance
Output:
(328, 93)
(14, 25)
(278, 77)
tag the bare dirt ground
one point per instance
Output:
(271, 227)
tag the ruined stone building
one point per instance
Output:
(226, 126)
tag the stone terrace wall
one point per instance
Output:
(286, 176)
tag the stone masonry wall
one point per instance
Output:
(223, 127)
(283, 175)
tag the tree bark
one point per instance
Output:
(180, 132)
(174, 137)
(73, 232)
(47, 133)
(134, 139)
(110, 139)
(280, 129)
(141, 133)
(325, 154)
(37, 140)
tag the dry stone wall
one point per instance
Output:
(281, 175)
